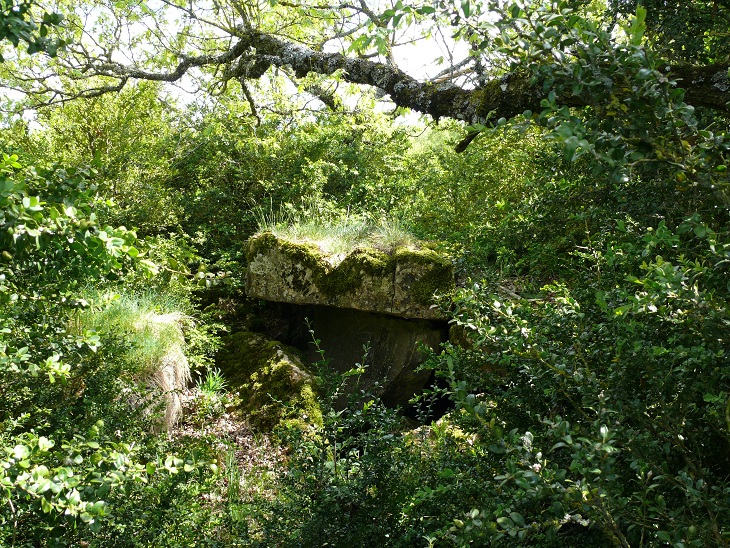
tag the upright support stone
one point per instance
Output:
(394, 355)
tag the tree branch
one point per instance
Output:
(506, 96)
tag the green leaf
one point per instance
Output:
(150, 268)
(21, 452)
(570, 147)
(44, 444)
(517, 518)
(505, 522)
(637, 28)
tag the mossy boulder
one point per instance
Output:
(401, 283)
(274, 385)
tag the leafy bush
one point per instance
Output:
(59, 462)
(604, 405)
(65, 445)
(345, 481)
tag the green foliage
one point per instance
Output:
(588, 375)
(636, 121)
(593, 412)
(345, 481)
(126, 139)
(17, 24)
(683, 31)
(611, 387)
(50, 246)
(213, 383)
(229, 176)
(212, 396)
(69, 374)
(449, 196)
(48, 219)
(58, 466)
(66, 486)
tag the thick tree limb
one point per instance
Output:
(507, 96)
(254, 53)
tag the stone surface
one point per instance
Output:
(271, 379)
(394, 349)
(400, 284)
(170, 376)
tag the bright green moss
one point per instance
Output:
(436, 277)
(348, 275)
(274, 386)
(306, 254)
(260, 244)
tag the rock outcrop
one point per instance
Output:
(364, 298)
(170, 374)
(401, 283)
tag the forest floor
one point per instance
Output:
(255, 453)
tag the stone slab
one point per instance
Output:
(401, 284)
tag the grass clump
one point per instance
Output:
(150, 327)
(152, 324)
(335, 233)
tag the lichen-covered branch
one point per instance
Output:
(253, 53)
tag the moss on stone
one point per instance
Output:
(420, 256)
(438, 277)
(366, 279)
(348, 275)
(260, 245)
(274, 386)
(305, 254)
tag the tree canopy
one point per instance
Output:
(17, 25)
(515, 54)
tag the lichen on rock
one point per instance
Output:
(401, 283)
(421, 274)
